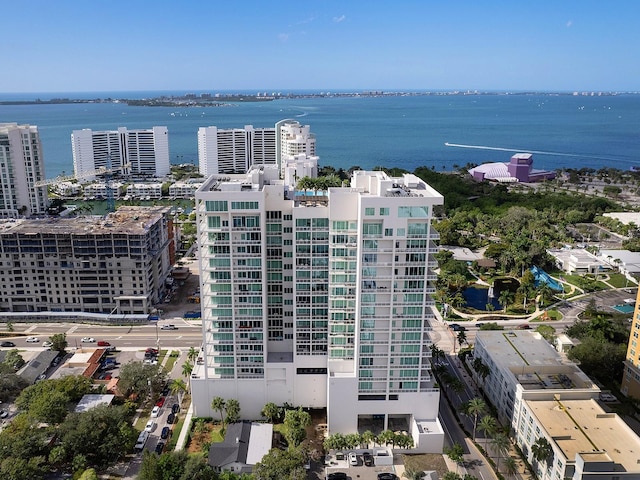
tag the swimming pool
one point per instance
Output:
(624, 308)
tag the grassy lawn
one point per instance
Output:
(619, 281)
(426, 461)
(175, 433)
(173, 358)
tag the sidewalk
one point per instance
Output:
(184, 433)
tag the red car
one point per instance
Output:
(102, 343)
(160, 402)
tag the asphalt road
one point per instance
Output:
(186, 335)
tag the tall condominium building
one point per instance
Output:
(631, 378)
(234, 150)
(228, 151)
(128, 152)
(293, 140)
(114, 265)
(21, 166)
(320, 299)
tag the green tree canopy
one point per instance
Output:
(140, 379)
(281, 465)
(101, 434)
(295, 422)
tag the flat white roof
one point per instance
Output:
(259, 442)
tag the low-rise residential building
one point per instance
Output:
(185, 189)
(244, 445)
(101, 189)
(586, 442)
(577, 260)
(522, 365)
(143, 190)
(551, 402)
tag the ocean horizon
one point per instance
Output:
(561, 130)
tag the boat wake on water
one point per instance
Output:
(525, 150)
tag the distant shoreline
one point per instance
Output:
(225, 100)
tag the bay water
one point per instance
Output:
(563, 131)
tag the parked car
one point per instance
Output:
(353, 459)
(165, 433)
(32, 340)
(337, 476)
(149, 426)
(88, 340)
(387, 476)
(160, 402)
(102, 343)
(4, 414)
(168, 327)
(155, 412)
(367, 459)
(7, 344)
(159, 447)
(171, 418)
(175, 408)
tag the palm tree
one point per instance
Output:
(542, 450)
(413, 474)
(218, 404)
(187, 368)
(462, 337)
(511, 466)
(505, 299)
(475, 407)
(271, 412)
(367, 438)
(192, 354)
(456, 454)
(232, 409)
(179, 387)
(489, 426)
(501, 444)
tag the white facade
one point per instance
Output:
(185, 189)
(21, 166)
(222, 151)
(144, 190)
(587, 442)
(318, 300)
(293, 140)
(101, 189)
(126, 152)
(523, 364)
(543, 396)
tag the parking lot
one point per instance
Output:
(335, 464)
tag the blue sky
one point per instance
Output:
(115, 45)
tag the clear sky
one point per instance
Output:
(207, 45)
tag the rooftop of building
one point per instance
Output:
(373, 183)
(532, 361)
(134, 220)
(582, 426)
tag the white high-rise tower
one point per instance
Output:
(21, 166)
(319, 299)
(137, 152)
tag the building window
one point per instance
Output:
(369, 211)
